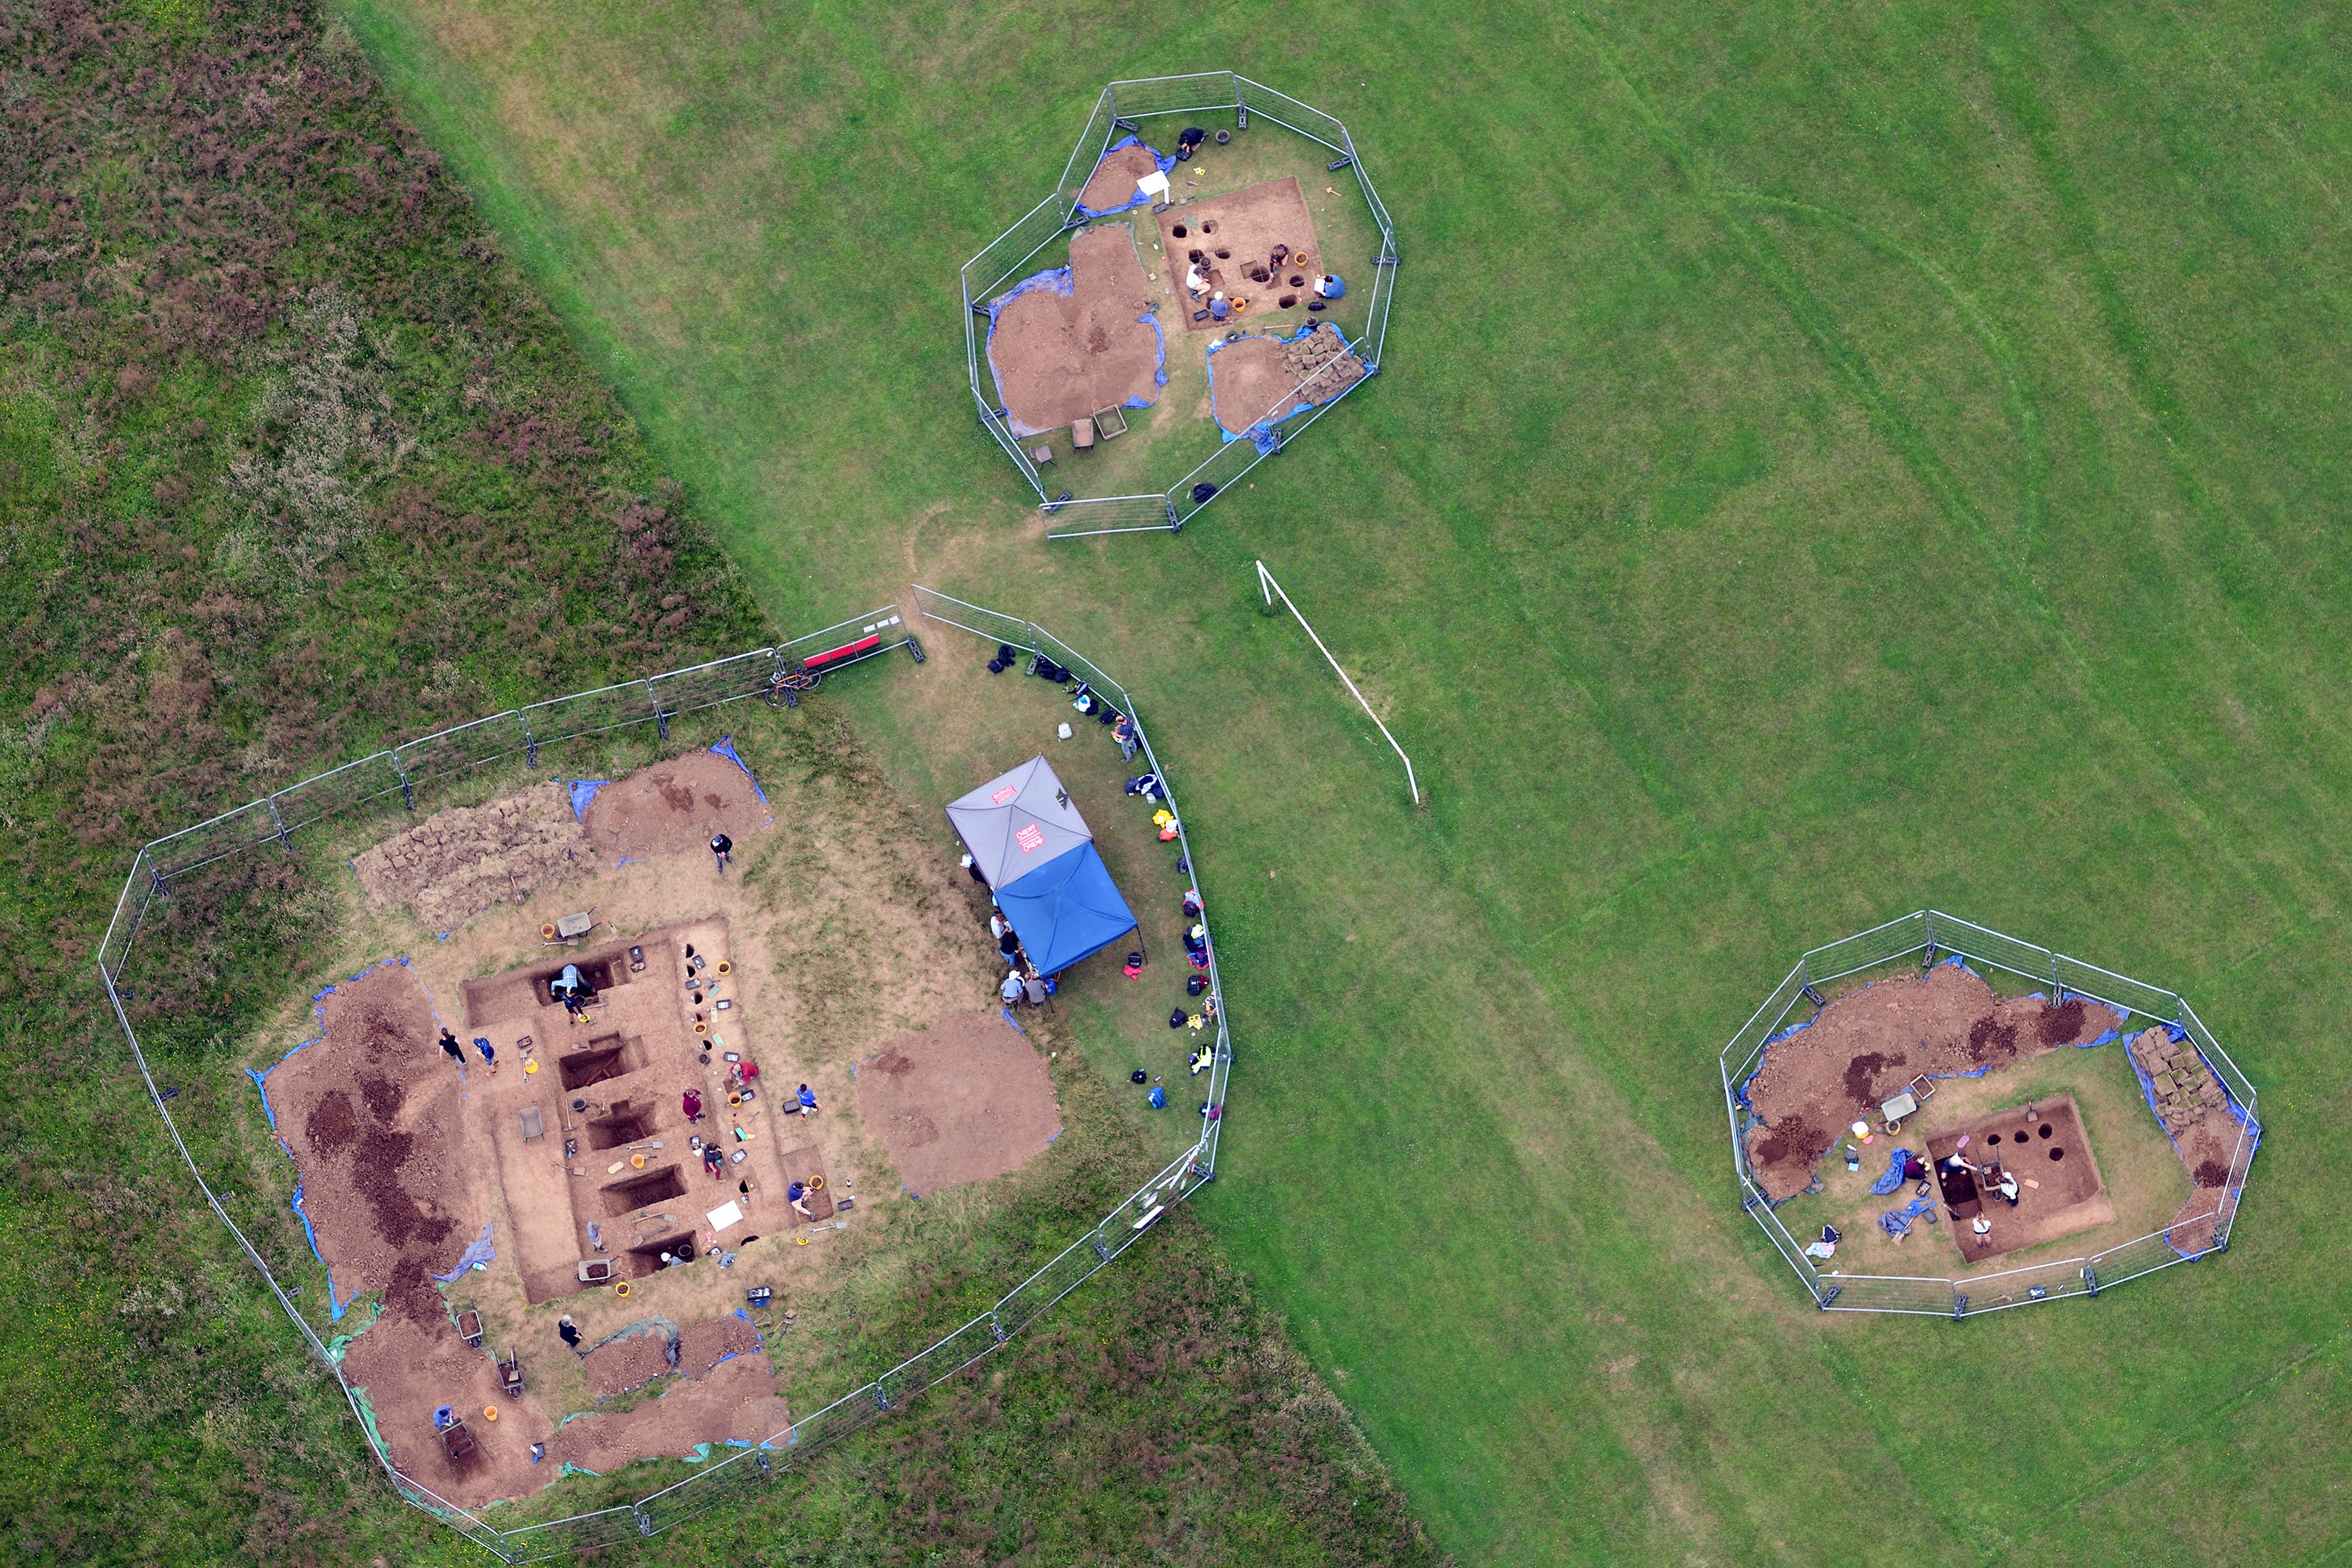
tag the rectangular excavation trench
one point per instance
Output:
(639, 1191)
(607, 1056)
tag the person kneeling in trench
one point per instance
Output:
(798, 1193)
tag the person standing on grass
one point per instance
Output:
(1122, 730)
(569, 1331)
(807, 1102)
(482, 1044)
(451, 1049)
(1008, 942)
(998, 925)
(723, 849)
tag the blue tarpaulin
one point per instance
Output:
(1066, 910)
(582, 792)
(1894, 1177)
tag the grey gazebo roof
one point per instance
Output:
(1017, 822)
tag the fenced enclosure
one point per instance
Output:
(413, 771)
(1931, 935)
(1122, 108)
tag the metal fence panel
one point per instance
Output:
(1089, 153)
(1986, 946)
(1885, 1293)
(338, 790)
(1092, 515)
(2105, 984)
(1305, 119)
(456, 752)
(1200, 91)
(1867, 949)
(1003, 259)
(589, 712)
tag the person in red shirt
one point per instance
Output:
(692, 1105)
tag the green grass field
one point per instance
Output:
(1829, 460)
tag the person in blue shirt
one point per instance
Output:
(808, 1100)
(1330, 287)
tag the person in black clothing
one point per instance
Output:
(1009, 944)
(973, 867)
(1189, 143)
(569, 1329)
(724, 848)
(449, 1046)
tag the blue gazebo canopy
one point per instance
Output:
(1066, 910)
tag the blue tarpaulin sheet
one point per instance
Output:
(478, 1250)
(1166, 162)
(582, 792)
(1066, 910)
(726, 748)
(1897, 1222)
(1894, 1177)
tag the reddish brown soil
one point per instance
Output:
(370, 1112)
(674, 807)
(1865, 1046)
(1062, 357)
(456, 863)
(619, 1365)
(1262, 377)
(1113, 183)
(2048, 1148)
(961, 1101)
(1248, 224)
(2195, 1112)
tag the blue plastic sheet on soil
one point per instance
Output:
(1166, 162)
(1261, 434)
(726, 748)
(478, 1250)
(1150, 317)
(1894, 1177)
(582, 792)
(1897, 1222)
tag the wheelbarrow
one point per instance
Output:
(510, 1374)
(470, 1324)
(456, 1441)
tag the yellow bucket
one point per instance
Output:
(638, 1161)
(547, 933)
(530, 1065)
(490, 1412)
(622, 1288)
(725, 967)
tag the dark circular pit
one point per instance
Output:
(1993, 1137)
(1178, 231)
(2056, 1154)
(2046, 1129)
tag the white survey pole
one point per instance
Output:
(1269, 588)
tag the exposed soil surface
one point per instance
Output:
(1260, 378)
(456, 863)
(1866, 1048)
(1113, 182)
(736, 1399)
(1236, 235)
(2041, 1143)
(1062, 357)
(961, 1101)
(370, 1112)
(674, 807)
(2195, 1112)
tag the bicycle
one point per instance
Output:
(784, 690)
